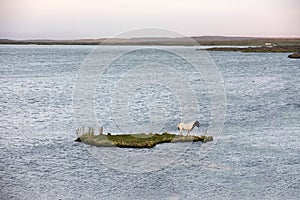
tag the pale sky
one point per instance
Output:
(74, 19)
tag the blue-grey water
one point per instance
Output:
(255, 157)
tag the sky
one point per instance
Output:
(76, 19)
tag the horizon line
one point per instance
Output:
(147, 37)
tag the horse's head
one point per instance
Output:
(196, 123)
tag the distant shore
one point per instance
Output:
(262, 49)
(164, 41)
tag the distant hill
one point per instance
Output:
(220, 38)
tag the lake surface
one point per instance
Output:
(255, 157)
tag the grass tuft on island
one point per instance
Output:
(140, 140)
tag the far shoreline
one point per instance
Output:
(164, 41)
(261, 49)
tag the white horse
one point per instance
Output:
(189, 127)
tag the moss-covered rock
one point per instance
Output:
(294, 55)
(140, 140)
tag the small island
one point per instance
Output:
(140, 140)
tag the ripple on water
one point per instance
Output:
(256, 157)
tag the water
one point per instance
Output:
(256, 156)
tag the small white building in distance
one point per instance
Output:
(268, 44)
